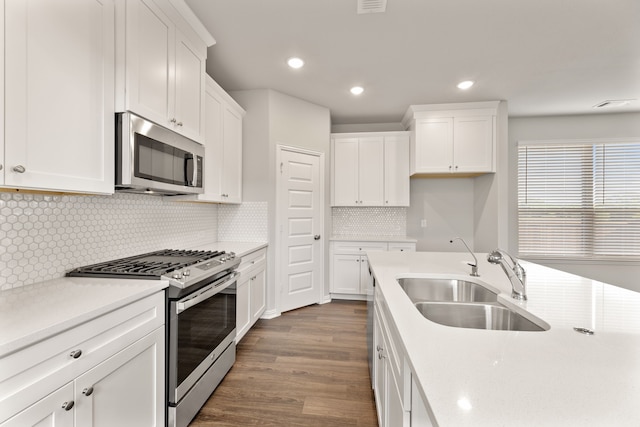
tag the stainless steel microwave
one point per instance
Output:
(151, 159)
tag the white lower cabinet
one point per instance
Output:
(419, 413)
(108, 371)
(51, 411)
(399, 402)
(251, 294)
(121, 390)
(349, 266)
(388, 381)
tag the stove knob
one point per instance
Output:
(223, 259)
(232, 255)
(177, 276)
(186, 273)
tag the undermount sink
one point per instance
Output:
(477, 316)
(420, 289)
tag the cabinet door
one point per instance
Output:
(213, 161)
(434, 145)
(150, 59)
(258, 295)
(396, 416)
(380, 371)
(473, 147)
(371, 171)
(396, 171)
(59, 95)
(346, 274)
(243, 309)
(232, 163)
(366, 281)
(47, 412)
(189, 87)
(345, 172)
(125, 390)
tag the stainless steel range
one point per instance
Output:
(201, 319)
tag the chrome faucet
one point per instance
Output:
(516, 274)
(474, 265)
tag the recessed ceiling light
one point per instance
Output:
(357, 90)
(295, 62)
(614, 103)
(465, 84)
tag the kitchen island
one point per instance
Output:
(473, 377)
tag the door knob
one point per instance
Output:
(316, 237)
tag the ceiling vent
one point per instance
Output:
(614, 103)
(371, 6)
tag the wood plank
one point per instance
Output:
(307, 367)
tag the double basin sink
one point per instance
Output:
(464, 304)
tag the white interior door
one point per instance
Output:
(300, 210)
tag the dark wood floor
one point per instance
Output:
(307, 367)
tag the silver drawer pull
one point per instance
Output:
(87, 391)
(76, 353)
(67, 405)
(19, 169)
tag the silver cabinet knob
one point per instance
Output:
(173, 120)
(19, 169)
(316, 237)
(179, 123)
(67, 405)
(0, 167)
(76, 353)
(87, 391)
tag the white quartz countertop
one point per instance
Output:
(34, 312)
(403, 239)
(557, 377)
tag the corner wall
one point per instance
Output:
(275, 119)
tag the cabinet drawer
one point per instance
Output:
(251, 260)
(34, 372)
(402, 246)
(358, 248)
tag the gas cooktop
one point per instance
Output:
(180, 267)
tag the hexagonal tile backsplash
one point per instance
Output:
(369, 222)
(43, 236)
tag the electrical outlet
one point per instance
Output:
(423, 223)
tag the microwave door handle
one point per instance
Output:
(190, 170)
(207, 293)
(194, 173)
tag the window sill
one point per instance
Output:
(579, 261)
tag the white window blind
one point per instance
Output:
(579, 200)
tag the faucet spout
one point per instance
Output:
(474, 265)
(514, 271)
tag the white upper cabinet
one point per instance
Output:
(223, 148)
(396, 170)
(453, 138)
(58, 95)
(370, 169)
(161, 67)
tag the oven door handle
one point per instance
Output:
(208, 292)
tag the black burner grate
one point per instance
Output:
(146, 266)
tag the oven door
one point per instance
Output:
(202, 325)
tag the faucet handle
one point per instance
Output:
(474, 269)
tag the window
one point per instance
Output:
(579, 199)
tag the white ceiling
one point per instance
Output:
(545, 57)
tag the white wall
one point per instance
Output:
(573, 127)
(447, 206)
(274, 118)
